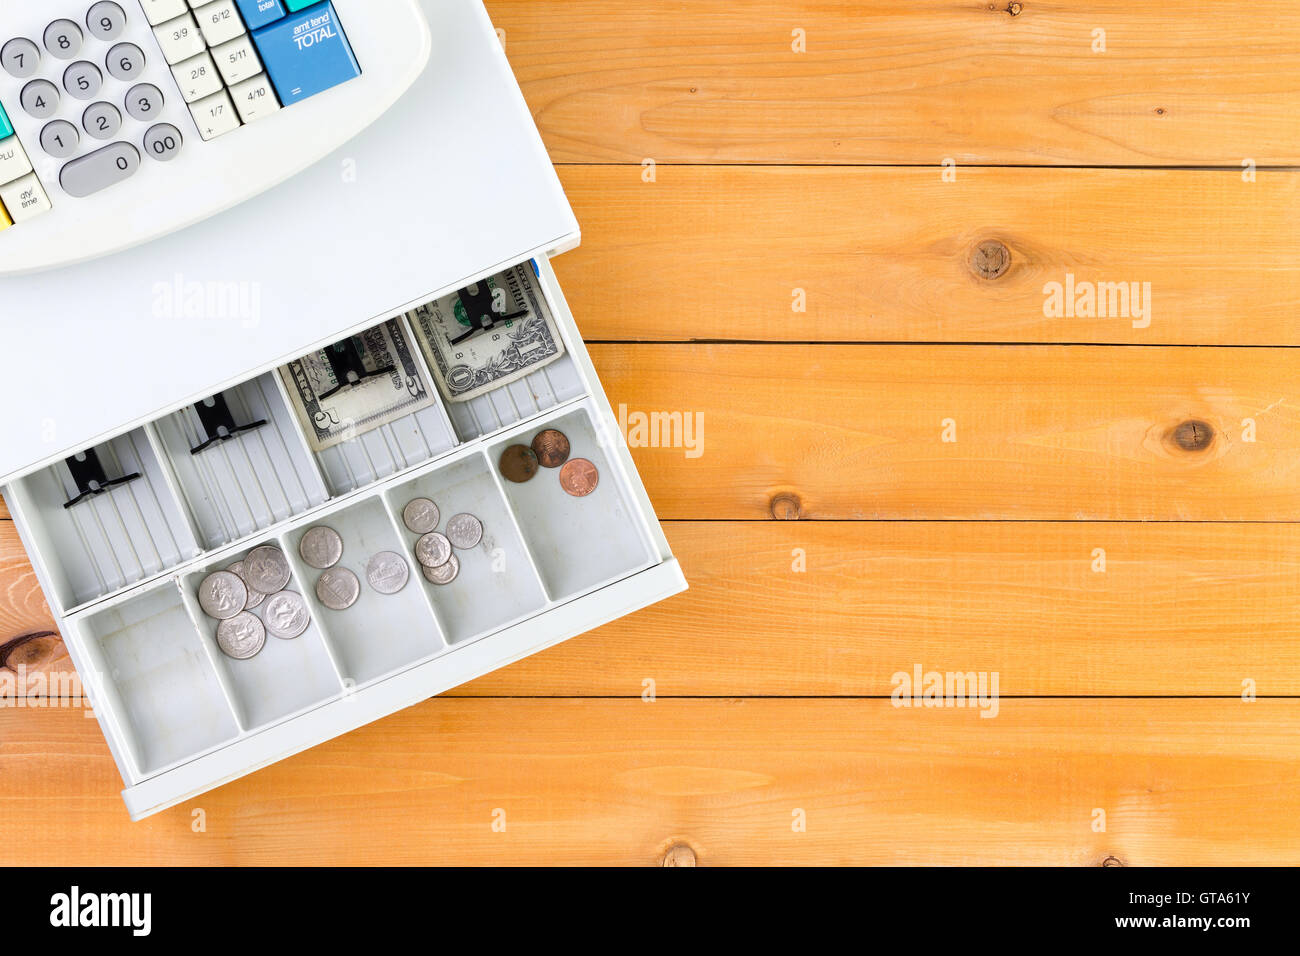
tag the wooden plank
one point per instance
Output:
(708, 81)
(886, 254)
(1042, 432)
(1189, 782)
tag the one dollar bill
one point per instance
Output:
(467, 360)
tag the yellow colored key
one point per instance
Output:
(5, 221)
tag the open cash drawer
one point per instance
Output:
(128, 507)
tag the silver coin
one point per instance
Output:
(465, 531)
(433, 550)
(222, 595)
(255, 597)
(421, 516)
(444, 574)
(338, 589)
(388, 572)
(321, 547)
(241, 637)
(266, 569)
(286, 614)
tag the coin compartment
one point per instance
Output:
(498, 584)
(238, 487)
(107, 542)
(578, 544)
(381, 633)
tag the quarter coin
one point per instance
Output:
(518, 463)
(321, 547)
(222, 595)
(338, 589)
(421, 516)
(242, 636)
(551, 448)
(286, 615)
(579, 477)
(266, 569)
(433, 550)
(388, 572)
(465, 531)
(255, 598)
(445, 573)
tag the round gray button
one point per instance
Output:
(144, 102)
(40, 98)
(63, 39)
(20, 57)
(163, 142)
(106, 20)
(102, 120)
(60, 139)
(83, 80)
(125, 61)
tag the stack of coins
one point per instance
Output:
(550, 449)
(435, 550)
(230, 597)
(339, 588)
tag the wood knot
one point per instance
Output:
(1192, 435)
(990, 259)
(786, 507)
(1014, 9)
(31, 651)
(679, 855)
(1112, 861)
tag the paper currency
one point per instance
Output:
(521, 339)
(337, 395)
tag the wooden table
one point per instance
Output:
(827, 228)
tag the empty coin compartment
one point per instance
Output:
(578, 543)
(241, 482)
(119, 536)
(381, 633)
(497, 585)
(153, 683)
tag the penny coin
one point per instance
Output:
(222, 595)
(286, 615)
(254, 597)
(445, 573)
(321, 547)
(433, 550)
(266, 569)
(465, 531)
(551, 448)
(338, 589)
(518, 463)
(388, 572)
(579, 477)
(421, 516)
(242, 636)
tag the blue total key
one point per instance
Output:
(306, 53)
(258, 13)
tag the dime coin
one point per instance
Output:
(421, 516)
(433, 550)
(338, 589)
(286, 614)
(242, 636)
(518, 463)
(266, 569)
(222, 595)
(254, 597)
(444, 574)
(579, 477)
(388, 572)
(321, 547)
(551, 448)
(465, 531)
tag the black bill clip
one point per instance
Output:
(89, 475)
(219, 423)
(349, 371)
(477, 302)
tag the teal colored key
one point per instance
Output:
(293, 6)
(6, 127)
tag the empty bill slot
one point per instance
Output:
(237, 476)
(115, 534)
(580, 542)
(385, 450)
(496, 584)
(159, 682)
(378, 633)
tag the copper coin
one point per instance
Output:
(579, 477)
(551, 448)
(518, 463)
